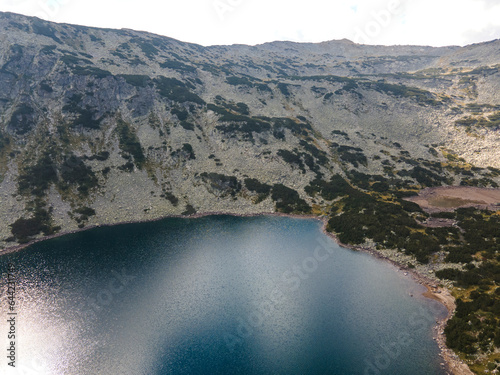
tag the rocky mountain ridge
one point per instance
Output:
(101, 126)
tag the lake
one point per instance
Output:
(214, 295)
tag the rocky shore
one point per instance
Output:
(453, 364)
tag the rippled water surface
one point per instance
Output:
(216, 295)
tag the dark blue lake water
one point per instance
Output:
(215, 295)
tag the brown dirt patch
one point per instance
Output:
(448, 198)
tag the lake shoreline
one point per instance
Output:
(453, 364)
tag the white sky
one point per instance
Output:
(208, 22)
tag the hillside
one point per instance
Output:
(99, 126)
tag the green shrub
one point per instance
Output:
(288, 200)
(176, 90)
(291, 158)
(255, 185)
(91, 71)
(223, 183)
(238, 123)
(177, 65)
(45, 87)
(36, 179)
(181, 113)
(236, 81)
(135, 79)
(41, 27)
(101, 156)
(331, 190)
(86, 119)
(23, 229)
(187, 125)
(74, 172)
(147, 48)
(22, 120)
(188, 149)
(73, 60)
(172, 198)
(283, 87)
(190, 210)
(351, 155)
(129, 142)
(4, 141)
(87, 211)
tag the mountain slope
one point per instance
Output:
(101, 126)
(132, 125)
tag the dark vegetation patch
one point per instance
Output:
(357, 216)
(327, 78)
(85, 116)
(189, 210)
(351, 155)
(288, 200)
(186, 152)
(43, 28)
(136, 80)
(181, 113)
(44, 86)
(389, 225)
(351, 87)
(87, 211)
(48, 50)
(491, 121)
(101, 156)
(352, 84)
(146, 47)
(129, 143)
(73, 60)
(81, 215)
(241, 124)
(427, 178)
(329, 190)
(293, 158)
(239, 81)
(176, 90)
(91, 71)
(474, 327)
(172, 198)
(23, 229)
(187, 125)
(4, 141)
(283, 87)
(177, 65)
(74, 172)
(127, 167)
(297, 128)
(402, 91)
(85, 119)
(261, 189)
(22, 119)
(256, 186)
(239, 107)
(340, 132)
(478, 182)
(35, 180)
(225, 184)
